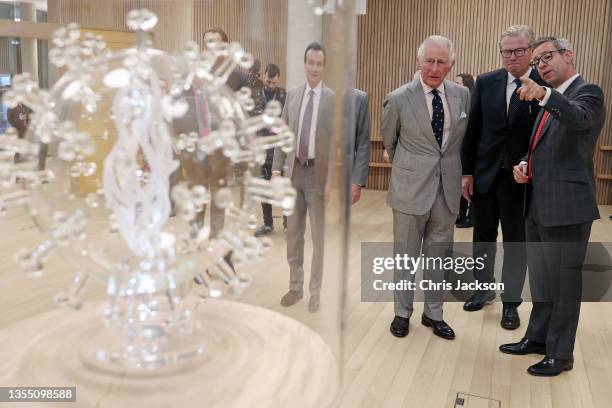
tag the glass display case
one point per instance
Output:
(151, 166)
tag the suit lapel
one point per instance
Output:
(416, 98)
(320, 113)
(502, 85)
(294, 113)
(535, 127)
(454, 108)
(568, 92)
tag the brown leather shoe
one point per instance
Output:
(291, 298)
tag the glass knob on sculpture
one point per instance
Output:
(118, 197)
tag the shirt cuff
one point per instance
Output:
(545, 99)
(522, 162)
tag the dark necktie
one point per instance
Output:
(305, 131)
(437, 116)
(515, 102)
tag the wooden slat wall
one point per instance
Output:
(603, 157)
(260, 25)
(390, 32)
(173, 29)
(388, 37)
(6, 62)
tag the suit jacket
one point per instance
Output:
(194, 168)
(279, 94)
(357, 136)
(418, 162)
(563, 184)
(492, 139)
(291, 115)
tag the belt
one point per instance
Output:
(309, 162)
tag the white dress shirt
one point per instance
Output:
(511, 86)
(561, 89)
(316, 98)
(429, 98)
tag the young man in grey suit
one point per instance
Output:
(308, 111)
(560, 202)
(423, 125)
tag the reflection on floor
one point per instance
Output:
(380, 370)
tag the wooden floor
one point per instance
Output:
(380, 370)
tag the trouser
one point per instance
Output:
(209, 173)
(502, 203)
(555, 256)
(266, 174)
(309, 201)
(432, 235)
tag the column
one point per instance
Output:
(29, 48)
(303, 27)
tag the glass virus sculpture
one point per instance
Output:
(109, 198)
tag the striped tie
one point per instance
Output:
(536, 138)
(305, 131)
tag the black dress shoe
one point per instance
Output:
(550, 367)
(525, 346)
(465, 222)
(440, 328)
(264, 230)
(510, 318)
(478, 300)
(399, 326)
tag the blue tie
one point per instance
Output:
(437, 117)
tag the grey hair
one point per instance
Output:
(558, 42)
(516, 30)
(436, 39)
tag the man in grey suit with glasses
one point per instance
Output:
(423, 125)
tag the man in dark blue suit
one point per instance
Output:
(560, 202)
(497, 137)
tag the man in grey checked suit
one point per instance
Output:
(560, 202)
(357, 139)
(308, 111)
(423, 125)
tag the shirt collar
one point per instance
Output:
(317, 89)
(428, 88)
(511, 77)
(563, 87)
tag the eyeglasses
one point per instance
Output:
(545, 58)
(519, 52)
(440, 62)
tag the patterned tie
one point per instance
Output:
(536, 138)
(515, 102)
(305, 131)
(437, 116)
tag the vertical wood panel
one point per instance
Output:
(260, 25)
(390, 32)
(603, 157)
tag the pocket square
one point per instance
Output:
(463, 115)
